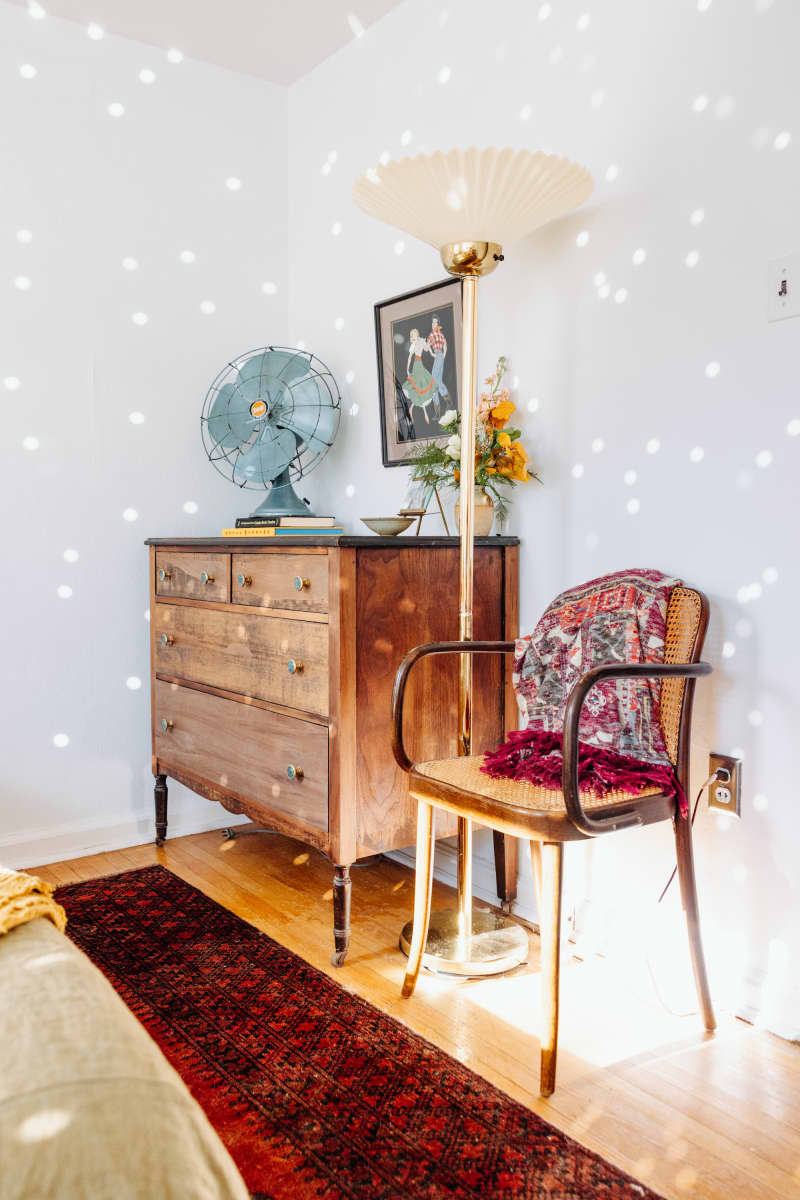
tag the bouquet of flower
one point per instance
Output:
(500, 461)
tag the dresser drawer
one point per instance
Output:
(196, 576)
(247, 750)
(248, 653)
(288, 581)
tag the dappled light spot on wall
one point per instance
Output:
(350, 490)
(207, 307)
(533, 404)
(603, 292)
(130, 264)
(697, 216)
(22, 283)
(60, 740)
(147, 614)
(583, 22)
(639, 256)
(597, 98)
(70, 556)
(356, 28)
(612, 173)
(782, 140)
(24, 237)
(399, 247)
(443, 75)
(724, 821)
(545, 11)
(582, 239)
(187, 256)
(755, 718)
(136, 418)
(703, 5)
(770, 574)
(115, 109)
(140, 318)
(577, 471)
(174, 55)
(599, 279)
(336, 228)
(760, 802)
(525, 112)
(697, 454)
(338, 324)
(147, 76)
(30, 442)
(35, 10)
(406, 137)
(621, 295)
(598, 445)
(692, 258)
(133, 683)
(793, 427)
(633, 506)
(712, 370)
(11, 383)
(233, 183)
(764, 459)
(190, 507)
(130, 514)
(28, 71)
(353, 410)
(350, 377)
(630, 478)
(95, 32)
(653, 445)
(728, 649)
(64, 591)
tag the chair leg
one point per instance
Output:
(423, 885)
(536, 863)
(685, 856)
(552, 859)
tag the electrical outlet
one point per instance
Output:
(783, 288)
(725, 792)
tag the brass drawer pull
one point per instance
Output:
(294, 668)
(164, 575)
(244, 580)
(166, 725)
(167, 639)
(300, 583)
(293, 772)
(206, 578)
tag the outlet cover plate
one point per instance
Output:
(783, 288)
(726, 795)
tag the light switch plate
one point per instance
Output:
(783, 295)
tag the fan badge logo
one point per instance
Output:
(258, 408)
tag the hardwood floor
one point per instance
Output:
(692, 1115)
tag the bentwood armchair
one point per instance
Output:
(551, 818)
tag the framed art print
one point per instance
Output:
(418, 338)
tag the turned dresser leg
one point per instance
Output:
(341, 914)
(160, 797)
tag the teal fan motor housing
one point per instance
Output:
(269, 418)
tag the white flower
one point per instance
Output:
(448, 418)
(453, 447)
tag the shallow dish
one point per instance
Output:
(388, 526)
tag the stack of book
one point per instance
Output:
(267, 527)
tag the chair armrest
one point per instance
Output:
(591, 826)
(404, 670)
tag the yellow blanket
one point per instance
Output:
(25, 897)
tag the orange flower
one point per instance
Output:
(520, 463)
(504, 440)
(500, 413)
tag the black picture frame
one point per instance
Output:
(405, 423)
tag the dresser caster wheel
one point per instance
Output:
(229, 834)
(160, 841)
(338, 957)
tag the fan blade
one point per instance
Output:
(309, 414)
(229, 423)
(265, 460)
(286, 365)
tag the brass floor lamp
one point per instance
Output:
(469, 204)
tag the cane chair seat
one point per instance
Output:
(462, 783)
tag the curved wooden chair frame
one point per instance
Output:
(576, 816)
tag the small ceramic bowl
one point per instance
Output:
(387, 526)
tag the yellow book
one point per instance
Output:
(250, 533)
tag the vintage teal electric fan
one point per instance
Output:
(268, 419)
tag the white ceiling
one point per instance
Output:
(278, 40)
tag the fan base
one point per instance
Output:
(282, 501)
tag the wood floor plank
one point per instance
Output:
(691, 1116)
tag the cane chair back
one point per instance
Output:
(687, 620)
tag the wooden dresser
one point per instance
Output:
(272, 668)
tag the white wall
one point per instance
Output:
(93, 189)
(622, 92)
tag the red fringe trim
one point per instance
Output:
(533, 756)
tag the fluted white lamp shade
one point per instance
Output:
(473, 195)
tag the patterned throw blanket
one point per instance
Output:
(617, 618)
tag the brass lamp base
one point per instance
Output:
(496, 945)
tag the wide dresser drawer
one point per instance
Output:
(252, 654)
(280, 762)
(193, 576)
(295, 582)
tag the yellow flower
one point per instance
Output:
(504, 439)
(500, 413)
(519, 462)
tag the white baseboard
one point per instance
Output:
(37, 847)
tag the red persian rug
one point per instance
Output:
(315, 1092)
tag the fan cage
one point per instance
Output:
(305, 457)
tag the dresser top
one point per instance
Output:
(372, 542)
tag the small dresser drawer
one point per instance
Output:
(270, 658)
(289, 581)
(276, 761)
(196, 576)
